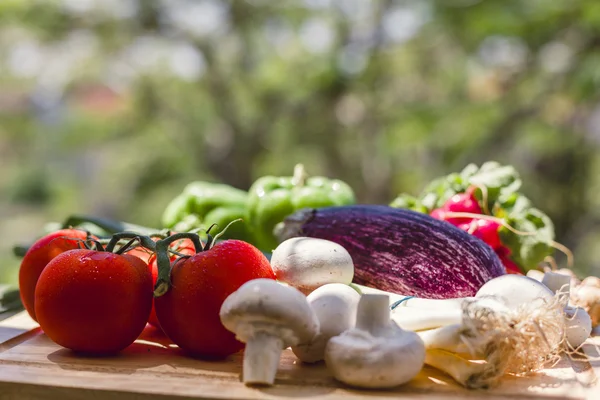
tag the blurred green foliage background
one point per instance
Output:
(111, 107)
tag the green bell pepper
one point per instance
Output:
(272, 198)
(204, 203)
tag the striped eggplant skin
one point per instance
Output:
(401, 251)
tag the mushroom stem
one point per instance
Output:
(261, 358)
(373, 312)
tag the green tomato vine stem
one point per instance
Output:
(163, 260)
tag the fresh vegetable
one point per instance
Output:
(401, 251)
(308, 263)
(557, 283)
(511, 267)
(491, 190)
(517, 290)
(587, 296)
(577, 320)
(461, 203)
(487, 231)
(377, 353)
(578, 326)
(93, 302)
(515, 324)
(466, 372)
(181, 247)
(272, 198)
(202, 204)
(268, 317)
(190, 294)
(584, 294)
(39, 255)
(335, 306)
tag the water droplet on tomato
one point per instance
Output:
(99, 256)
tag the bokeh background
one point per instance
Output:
(109, 107)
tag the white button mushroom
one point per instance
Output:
(268, 317)
(335, 306)
(307, 263)
(377, 353)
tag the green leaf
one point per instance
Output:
(409, 202)
(469, 171)
(497, 179)
(528, 250)
(512, 205)
(441, 189)
(493, 175)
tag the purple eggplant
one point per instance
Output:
(401, 251)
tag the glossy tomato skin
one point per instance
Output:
(183, 246)
(38, 256)
(94, 302)
(143, 254)
(189, 311)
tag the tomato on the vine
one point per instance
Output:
(182, 246)
(94, 302)
(39, 255)
(143, 254)
(189, 311)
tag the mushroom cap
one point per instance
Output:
(264, 305)
(360, 359)
(335, 306)
(308, 263)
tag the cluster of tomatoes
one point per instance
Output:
(98, 302)
(484, 228)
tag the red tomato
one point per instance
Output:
(189, 311)
(39, 255)
(183, 246)
(142, 253)
(94, 302)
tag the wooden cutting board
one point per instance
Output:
(33, 367)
